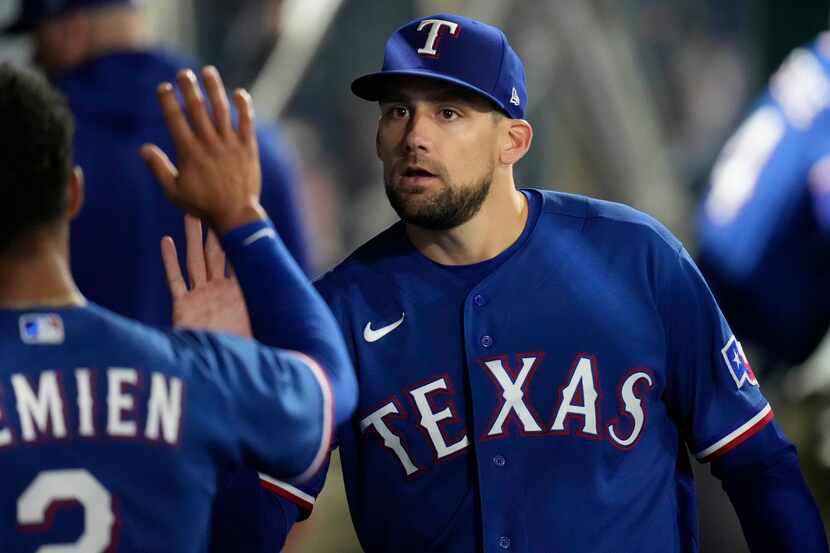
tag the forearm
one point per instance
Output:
(777, 512)
(285, 309)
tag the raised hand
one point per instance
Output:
(214, 300)
(218, 175)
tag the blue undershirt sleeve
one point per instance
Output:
(763, 480)
(285, 309)
(266, 521)
(287, 312)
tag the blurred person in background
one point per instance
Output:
(764, 239)
(100, 55)
(764, 227)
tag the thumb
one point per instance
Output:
(161, 166)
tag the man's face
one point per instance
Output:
(60, 42)
(438, 145)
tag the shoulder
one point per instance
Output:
(180, 351)
(127, 339)
(609, 222)
(371, 265)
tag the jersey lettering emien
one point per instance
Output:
(113, 436)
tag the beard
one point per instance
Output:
(443, 209)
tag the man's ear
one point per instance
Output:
(517, 140)
(75, 192)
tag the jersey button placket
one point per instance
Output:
(504, 542)
(499, 460)
(486, 341)
(479, 300)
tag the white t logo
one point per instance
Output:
(434, 30)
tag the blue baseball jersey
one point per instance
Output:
(125, 213)
(550, 405)
(114, 436)
(764, 228)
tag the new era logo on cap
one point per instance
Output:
(457, 50)
(514, 97)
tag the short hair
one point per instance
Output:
(36, 133)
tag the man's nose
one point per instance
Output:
(418, 133)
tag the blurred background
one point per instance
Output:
(631, 100)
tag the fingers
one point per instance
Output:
(218, 100)
(196, 109)
(245, 107)
(177, 123)
(215, 257)
(195, 252)
(175, 282)
(161, 166)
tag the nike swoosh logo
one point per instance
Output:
(374, 335)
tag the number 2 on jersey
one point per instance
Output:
(49, 488)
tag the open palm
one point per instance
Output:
(214, 300)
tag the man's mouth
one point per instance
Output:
(417, 172)
(415, 179)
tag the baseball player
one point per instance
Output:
(764, 229)
(533, 366)
(114, 436)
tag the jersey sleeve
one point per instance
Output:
(760, 179)
(711, 387)
(248, 519)
(302, 495)
(755, 184)
(275, 406)
(286, 311)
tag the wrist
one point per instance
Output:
(225, 222)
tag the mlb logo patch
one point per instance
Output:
(736, 361)
(41, 328)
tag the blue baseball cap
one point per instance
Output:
(35, 12)
(457, 50)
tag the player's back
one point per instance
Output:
(113, 436)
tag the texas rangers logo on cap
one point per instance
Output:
(435, 26)
(457, 50)
(736, 361)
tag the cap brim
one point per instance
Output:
(370, 87)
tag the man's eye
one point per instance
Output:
(399, 112)
(449, 114)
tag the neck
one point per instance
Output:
(35, 273)
(496, 226)
(115, 29)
